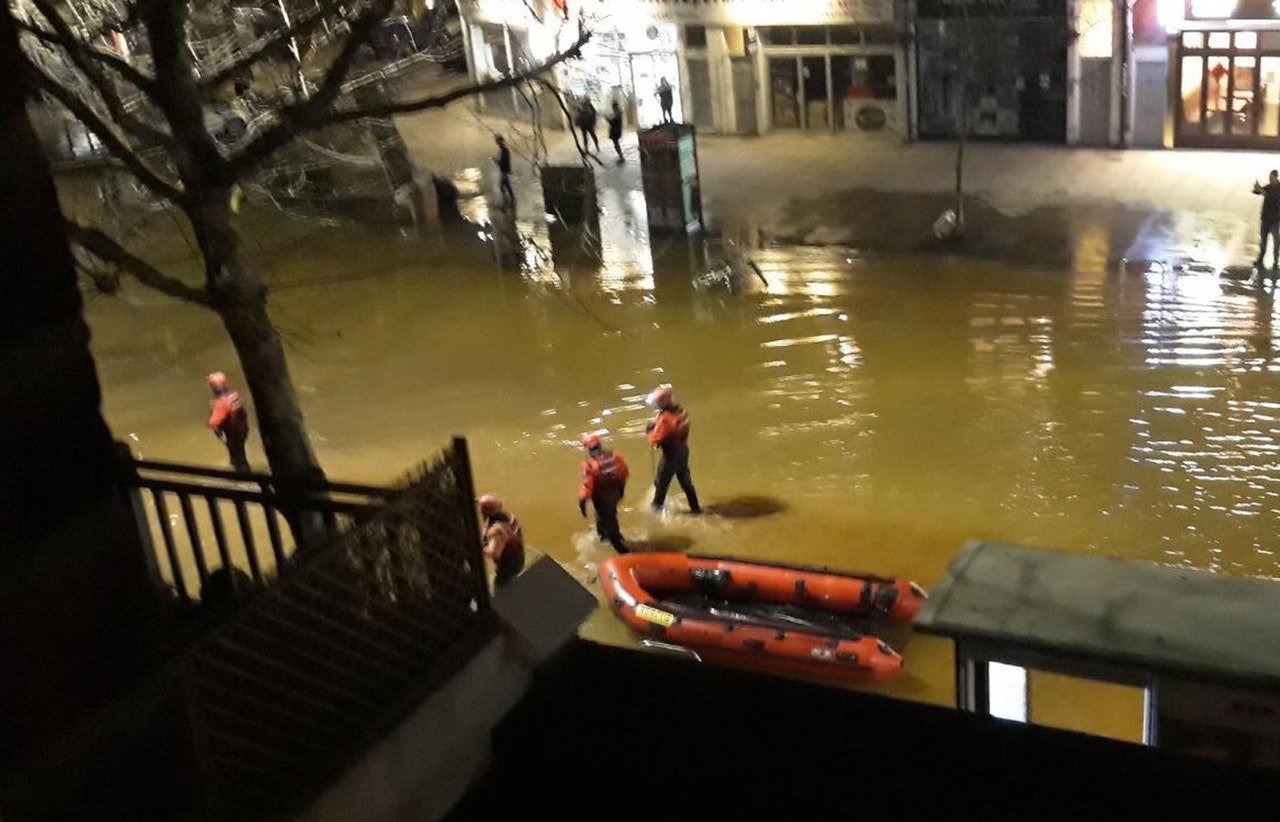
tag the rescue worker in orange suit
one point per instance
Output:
(228, 420)
(503, 543)
(669, 431)
(604, 481)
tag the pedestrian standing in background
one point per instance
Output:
(615, 129)
(666, 100)
(504, 169)
(586, 122)
(1269, 221)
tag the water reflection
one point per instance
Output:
(891, 407)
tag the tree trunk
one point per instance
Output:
(240, 299)
(962, 140)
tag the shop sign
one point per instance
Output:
(1231, 10)
(946, 9)
(765, 12)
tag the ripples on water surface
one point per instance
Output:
(894, 407)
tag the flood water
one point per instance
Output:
(869, 413)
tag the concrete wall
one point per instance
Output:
(423, 767)
(430, 760)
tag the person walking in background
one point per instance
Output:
(586, 122)
(615, 129)
(604, 481)
(504, 169)
(503, 543)
(1269, 221)
(228, 420)
(666, 99)
(669, 431)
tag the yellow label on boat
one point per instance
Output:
(650, 614)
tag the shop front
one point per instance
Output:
(1013, 58)
(841, 78)
(1228, 76)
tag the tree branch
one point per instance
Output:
(305, 116)
(269, 44)
(114, 142)
(310, 113)
(442, 100)
(64, 37)
(102, 246)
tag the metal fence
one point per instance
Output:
(208, 524)
(291, 686)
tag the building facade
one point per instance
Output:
(1120, 73)
(1225, 73)
(738, 66)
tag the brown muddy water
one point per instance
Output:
(860, 412)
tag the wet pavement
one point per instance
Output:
(858, 409)
(1026, 202)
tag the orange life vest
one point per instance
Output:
(227, 413)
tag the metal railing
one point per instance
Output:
(290, 687)
(202, 524)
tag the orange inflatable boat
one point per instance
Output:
(768, 617)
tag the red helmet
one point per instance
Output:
(489, 504)
(663, 396)
(218, 381)
(592, 441)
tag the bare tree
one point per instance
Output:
(149, 108)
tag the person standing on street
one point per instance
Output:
(1270, 221)
(666, 99)
(669, 431)
(586, 121)
(604, 481)
(504, 169)
(503, 543)
(615, 128)
(228, 420)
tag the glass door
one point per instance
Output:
(1243, 116)
(1268, 97)
(817, 105)
(784, 92)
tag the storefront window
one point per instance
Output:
(495, 41)
(1270, 40)
(695, 37)
(883, 76)
(1215, 110)
(784, 82)
(1219, 39)
(1192, 74)
(1269, 96)
(811, 35)
(845, 36)
(814, 70)
(1193, 39)
(1242, 109)
(1015, 74)
(1095, 28)
(1246, 39)
(878, 35)
(842, 90)
(776, 35)
(521, 58)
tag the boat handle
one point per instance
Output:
(668, 648)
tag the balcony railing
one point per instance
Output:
(291, 686)
(208, 528)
